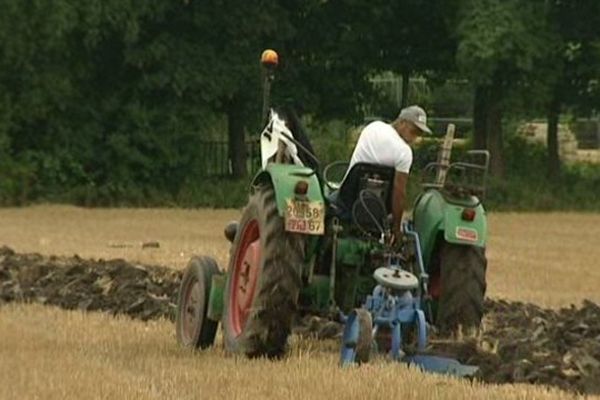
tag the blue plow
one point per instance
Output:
(396, 304)
(363, 325)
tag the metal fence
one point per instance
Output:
(214, 154)
(215, 158)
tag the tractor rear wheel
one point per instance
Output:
(264, 280)
(193, 327)
(463, 287)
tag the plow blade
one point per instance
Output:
(441, 365)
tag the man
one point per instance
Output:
(389, 145)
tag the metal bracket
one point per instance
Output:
(337, 228)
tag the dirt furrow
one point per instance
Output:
(520, 343)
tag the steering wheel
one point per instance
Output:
(334, 174)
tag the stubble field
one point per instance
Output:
(548, 259)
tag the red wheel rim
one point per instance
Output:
(246, 269)
(192, 310)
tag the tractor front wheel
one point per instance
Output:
(463, 286)
(193, 327)
(264, 280)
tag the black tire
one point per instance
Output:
(193, 328)
(463, 284)
(265, 330)
(365, 338)
(358, 336)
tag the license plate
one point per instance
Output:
(305, 217)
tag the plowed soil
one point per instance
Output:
(520, 342)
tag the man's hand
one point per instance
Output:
(396, 239)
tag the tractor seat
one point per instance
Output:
(364, 189)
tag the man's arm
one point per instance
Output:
(398, 201)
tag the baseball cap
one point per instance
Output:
(417, 116)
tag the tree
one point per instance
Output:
(573, 67)
(209, 51)
(135, 80)
(339, 45)
(499, 43)
(414, 36)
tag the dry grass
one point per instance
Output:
(54, 354)
(548, 259)
(117, 233)
(47, 353)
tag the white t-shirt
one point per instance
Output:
(379, 143)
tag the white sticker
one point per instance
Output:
(467, 234)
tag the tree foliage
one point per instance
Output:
(108, 101)
(500, 43)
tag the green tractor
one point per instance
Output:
(296, 250)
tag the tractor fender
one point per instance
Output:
(434, 216)
(284, 177)
(460, 231)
